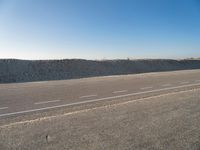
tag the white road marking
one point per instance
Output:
(115, 92)
(87, 96)
(184, 82)
(1, 108)
(45, 102)
(166, 85)
(95, 100)
(146, 88)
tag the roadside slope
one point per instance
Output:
(12, 70)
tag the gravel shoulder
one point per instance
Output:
(170, 121)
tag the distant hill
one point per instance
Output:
(12, 70)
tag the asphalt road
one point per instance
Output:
(23, 98)
(163, 122)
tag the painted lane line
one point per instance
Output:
(45, 102)
(184, 82)
(95, 100)
(115, 92)
(1, 108)
(87, 96)
(146, 88)
(165, 85)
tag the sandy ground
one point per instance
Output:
(169, 122)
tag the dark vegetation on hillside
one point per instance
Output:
(12, 70)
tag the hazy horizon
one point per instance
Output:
(191, 58)
(99, 29)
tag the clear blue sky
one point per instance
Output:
(99, 29)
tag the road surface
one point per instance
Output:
(24, 98)
(163, 122)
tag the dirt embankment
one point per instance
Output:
(12, 70)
